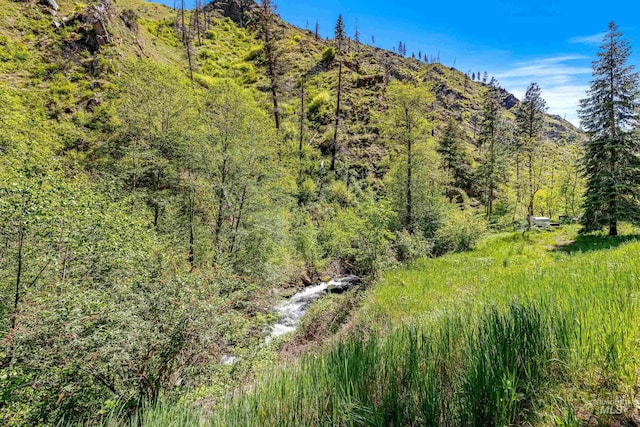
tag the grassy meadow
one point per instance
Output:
(529, 329)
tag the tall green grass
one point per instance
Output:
(478, 339)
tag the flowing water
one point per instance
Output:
(292, 310)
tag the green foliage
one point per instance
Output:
(361, 237)
(456, 161)
(459, 231)
(484, 338)
(410, 247)
(155, 215)
(95, 287)
(320, 107)
(328, 55)
(610, 116)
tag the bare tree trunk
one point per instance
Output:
(16, 299)
(301, 114)
(184, 27)
(274, 97)
(197, 17)
(238, 220)
(531, 185)
(220, 216)
(334, 146)
(409, 218)
(518, 187)
(191, 231)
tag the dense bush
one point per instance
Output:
(409, 246)
(328, 54)
(459, 231)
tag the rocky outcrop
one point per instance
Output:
(239, 11)
(94, 24)
(342, 284)
(510, 101)
(51, 6)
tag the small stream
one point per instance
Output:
(292, 310)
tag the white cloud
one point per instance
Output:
(594, 39)
(557, 67)
(563, 80)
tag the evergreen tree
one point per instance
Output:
(455, 159)
(489, 142)
(609, 114)
(530, 119)
(340, 34)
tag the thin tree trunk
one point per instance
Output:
(191, 231)
(238, 220)
(337, 122)
(197, 16)
(301, 115)
(409, 219)
(16, 299)
(518, 187)
(220, 215)
(531, 185)
(276, 113)
(188, 47)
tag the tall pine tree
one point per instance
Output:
(609, 115)
(530, 119)
(456, 161)
(490, 144)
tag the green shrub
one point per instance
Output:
(204, 80)
(207, 54)
(254, 53)
(459, 231)
(339, 193)
(307, 190)
(361, 237)
(306, 243)
(319, 107)
(328, 55)
(411, 246)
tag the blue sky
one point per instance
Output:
(551, 42)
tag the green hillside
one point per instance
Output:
(152, 213)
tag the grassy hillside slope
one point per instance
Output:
(536, 329)
(57, 57)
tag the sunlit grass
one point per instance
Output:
(492, 337)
